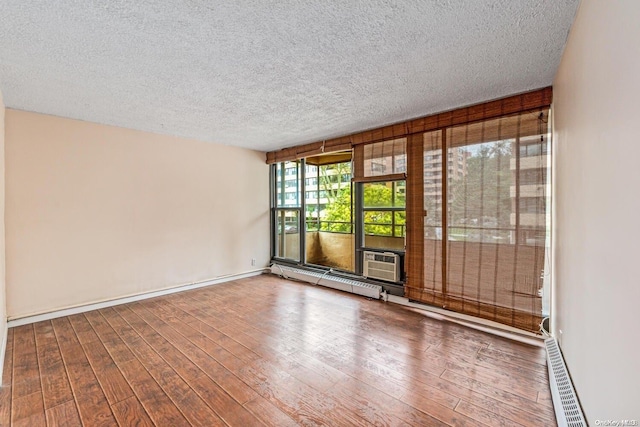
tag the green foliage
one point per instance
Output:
(338, 213)
(329, 176)
(483, 197)
(382, 223)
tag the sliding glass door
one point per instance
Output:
(484, 213)
(329, 214)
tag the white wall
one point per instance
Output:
(597, 221)
(3, 307)
(97, 212)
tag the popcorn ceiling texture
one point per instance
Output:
(271, 74)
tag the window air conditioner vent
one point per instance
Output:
(382, 266)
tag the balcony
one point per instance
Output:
(337, 249)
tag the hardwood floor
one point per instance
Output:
(266, 351)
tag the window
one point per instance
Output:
(384, 216)
(385, 158)
(485, 234)
(537, 148)
(378, 167)
(287, 184)
(286, 210)
(533, 176)
(532, 205)
(287, 234)
(478, 236)
(480, 201)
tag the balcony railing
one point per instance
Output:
(343, 227)
(346, 227)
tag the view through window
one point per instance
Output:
(329, 216)
(384, 214)
(492, 181)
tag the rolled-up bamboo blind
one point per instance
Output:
(424, 215)
(486, 110)
(385, 159)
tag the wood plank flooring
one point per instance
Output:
(267, 351)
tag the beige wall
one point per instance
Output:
(596, 222)
(3, 308)
(97, 212)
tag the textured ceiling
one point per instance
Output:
(270, 74)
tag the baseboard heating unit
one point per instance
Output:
(328, 280)
(565, 400)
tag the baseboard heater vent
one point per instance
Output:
(565, 400)
(328, 280)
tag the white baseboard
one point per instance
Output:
(68, 311)
(477, 323)
(3, 350)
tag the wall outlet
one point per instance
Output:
(253, 262)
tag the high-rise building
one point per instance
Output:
(530, 185)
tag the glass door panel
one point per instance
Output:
(288, 234)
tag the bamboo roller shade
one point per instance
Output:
(496, 281)
(384, 160)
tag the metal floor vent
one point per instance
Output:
(328, 280)
(565, 400)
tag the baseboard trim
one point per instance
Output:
(477, 323)
(96, 305)
(3, 350)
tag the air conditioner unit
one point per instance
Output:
(382, 266)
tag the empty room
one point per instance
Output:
(242, 213)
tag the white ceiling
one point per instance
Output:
(270, 74)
